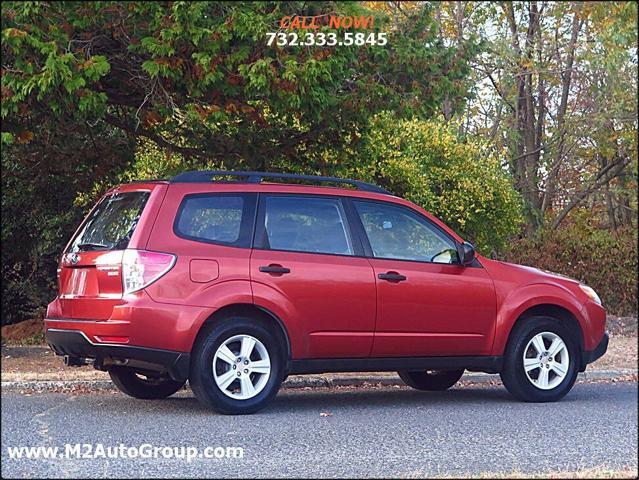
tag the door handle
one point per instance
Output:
(392, 277)
(274, 268)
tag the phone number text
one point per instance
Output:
(322, 39)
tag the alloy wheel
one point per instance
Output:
(546, 360)
(241, 367)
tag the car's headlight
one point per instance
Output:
(591, 293)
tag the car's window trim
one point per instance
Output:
(256, 229)
(247, 223)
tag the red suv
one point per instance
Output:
(233, 283)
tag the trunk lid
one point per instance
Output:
(90, 270)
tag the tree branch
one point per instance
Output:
(162, 142)
(606, 174)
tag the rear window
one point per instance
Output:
(225, 219)
(111, 224)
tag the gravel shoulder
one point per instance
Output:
(40, 364)
(30, 363)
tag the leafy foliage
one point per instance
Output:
(556, 97)
(457, 181)
(40, 181)
(605, 260)
(198, 78)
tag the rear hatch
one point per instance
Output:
(90, 270)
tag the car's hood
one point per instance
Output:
(526, 270)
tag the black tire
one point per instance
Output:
(143, 386)
(431, 380)
(513, 374)
(201, 377)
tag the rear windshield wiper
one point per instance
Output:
(92, 246)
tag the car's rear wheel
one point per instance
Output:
(541, 361)
(431, 380)
(237, 366)
(146, 386)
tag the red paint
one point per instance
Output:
(330, 305)
(112, 339)
(439, 310)
(204, 271)
(328, 301)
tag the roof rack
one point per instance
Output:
(257, 177)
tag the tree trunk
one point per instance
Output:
(560, 133)
(526, 145)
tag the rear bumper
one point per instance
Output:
(75, 343)
(144, 322)
(590, 356)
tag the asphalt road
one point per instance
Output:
(336, 433)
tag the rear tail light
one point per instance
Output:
(141, 268)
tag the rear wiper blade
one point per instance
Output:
(92, 245)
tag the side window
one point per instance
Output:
(305, 224)
(216, 218)
(399, 233)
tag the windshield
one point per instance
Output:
(111, 224)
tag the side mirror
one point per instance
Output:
(466, 253)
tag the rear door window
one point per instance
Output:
(306, 224)
(112, 222)
(225, 219)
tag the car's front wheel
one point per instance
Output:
(541, 361)
(237, 366)
(431, 380)
(143, 385)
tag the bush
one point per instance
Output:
(425, 162)
(605, 260)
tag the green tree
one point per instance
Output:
(460, 182)
(40, 181)
(556, 97)
(198, 78)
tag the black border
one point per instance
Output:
(482, 363)
(75, 344)
(253, 232)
